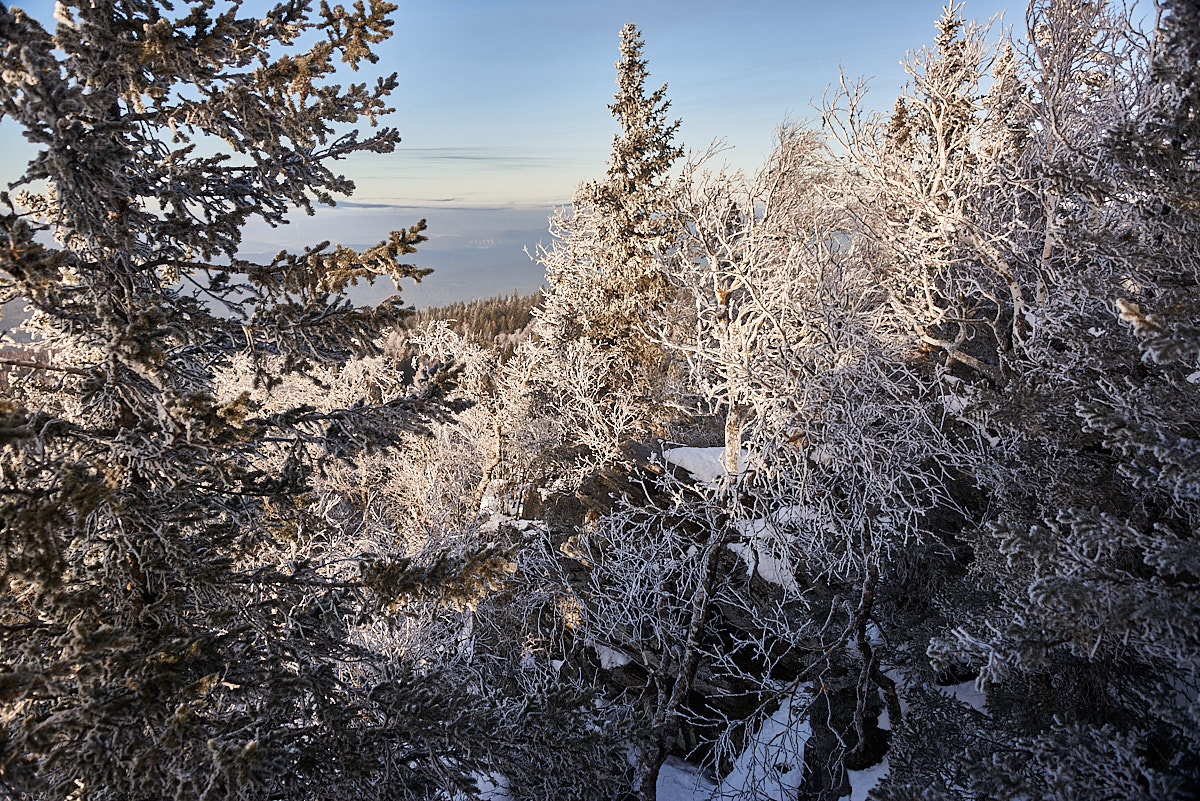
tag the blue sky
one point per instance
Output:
(508, 99)
(502, 103)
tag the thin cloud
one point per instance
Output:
(455, 204)
(487, 155)
(416, 204)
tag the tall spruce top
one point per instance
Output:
(643, 152)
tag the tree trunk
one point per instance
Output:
(733, 441)
(667, 719)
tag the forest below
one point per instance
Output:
(873, 473)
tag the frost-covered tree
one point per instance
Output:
(180, 616)
(770, 585)
(1032, 276)
(923, 177)
(835, 454)
(445, 502)
(605, 283)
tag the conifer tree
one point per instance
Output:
(175, 619)
(630, 200)
(603, 270)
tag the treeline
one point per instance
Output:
(502, 320)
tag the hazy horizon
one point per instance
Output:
(475, 252)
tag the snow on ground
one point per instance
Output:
(679, 781)
(492, 787)
(756, 553)
(611, 658)
(770, 767)
(773, 763)
(864, 781)
(704, 464)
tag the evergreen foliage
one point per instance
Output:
(605, 282)
(181, 614)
